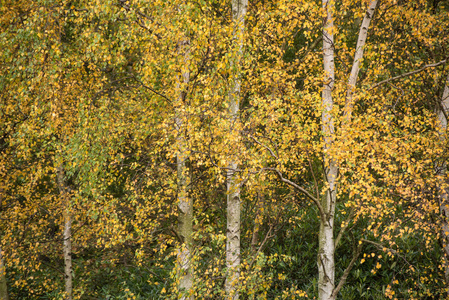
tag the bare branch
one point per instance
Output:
(340, 234)
(444, 106)
(313, 174)
(266, 147)
(346, 272)
(302, 190)
(358, 56)
(153, 90)
(383, 248)
(267, 236)
(409, 73)
(312, 47)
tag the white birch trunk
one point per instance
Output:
(444, 192)
(67, 236)
(239, 8)
(361, 41)
(68, 255)
(326, 251)
(3, 285)
(325, 259)
(257, 221)
(185, 204)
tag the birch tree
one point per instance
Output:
(443, 112)
(239, 9)
(140, 94)
(185, 204)
(3, 283)
(326, 260)
(326, 264)
(333, 136)
(67, 234)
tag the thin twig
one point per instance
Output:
(154, 91)
(346, 272)
(340, 234)
(380, 246)
(302, 190)
(53, 267)
(267, 236)
(408, 73)
(266, 147)
(313, 174)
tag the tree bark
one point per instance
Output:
(444, 192)
(3, 285)
(185, 205)
(325, 259)
(239, 9)
(68, 255)
(67, 236)
(257, 221)
(326, 250)
(361, 41)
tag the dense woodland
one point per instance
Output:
(213, 149)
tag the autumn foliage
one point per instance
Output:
(224, 149)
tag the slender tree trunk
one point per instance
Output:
(444, 192)
(67, 236)
(185, 204)
(3, 286)
(361, 41)
(239, 8)
(257, 221)
(325, 259)
(326, 251)
(184, 227)
(232, 235)
(68, 255)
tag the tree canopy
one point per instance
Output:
(224, 149)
